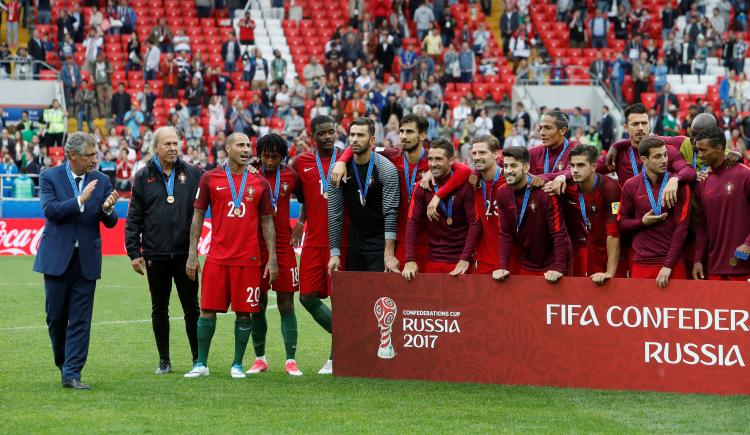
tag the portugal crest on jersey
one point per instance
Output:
(250, 193)
(182, 178)
(729, 188)
(285, 188)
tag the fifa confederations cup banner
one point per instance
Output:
(691, 337)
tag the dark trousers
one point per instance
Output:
(160, 275)
(69, 303)
(364, 261)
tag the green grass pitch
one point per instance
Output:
(128, 397)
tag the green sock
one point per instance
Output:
(320, 312)
(260, 328)
(289, 332)
(206, 328)
(242, 330)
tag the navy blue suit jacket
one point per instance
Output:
(65, 224)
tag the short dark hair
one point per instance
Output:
(445, 145)
(560, 119)
(421, 121)
(714, 135)
(589, 151)
(492, 142)
(635, 109)
(644, 148)
(272, 143)
(519, 153)
(318, 120)
(364, 121)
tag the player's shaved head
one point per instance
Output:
(702, 122)
(237, 137)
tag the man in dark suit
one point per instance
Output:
(75, 199)
(230, 53)
(37, 51)
(663, 101)
(606, 128)
(599, 68)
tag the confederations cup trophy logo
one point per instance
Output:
(385, 313)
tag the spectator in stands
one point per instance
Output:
(151, 62)
(660, 71)
(606, 129)
(216, 120)
(256, 76)
(563, 9)
(203, 8)
(92, 44)
(519, 46)
(6, 59)
(193, 134)
(670, 123)
(161, 35)
(557, 72)
(127, 17)
(668, 20)
(44, 11)
(258, 110)
(509, 24)
(77, 22)
(108, 166)
(181, 42)
(467, 63)
(641, 72)
(521, 115)
(67, 47)
(294, 125)
(124, 171)
(599, 69)
(22, 65)
(85, 106)
(483, 123)
(313, 71)
(577, 119)
(37, 51)
(197, 66)
(699, 64)
(392, 107)
(514, 138)
(70, 75)
(169, 74)
(246, 27)
(134, 54)
(408, 64)
(146, 100)
(460, 113)
(195, 95)
(8, 167)
(665, 99)
(481, 37)
(241, 119)
(598, 28)
(121, 104)
(101, 73)
(278, 67)
(686, 53)
(739, 52)
(133, 120)
(8, 145)
(577, 30)
(424, 18)
(230, 53)
(726, 121)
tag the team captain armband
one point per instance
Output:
(615, 208)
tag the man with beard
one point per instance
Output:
(411, 162)
(531, 221)
(240, 203)
(658, 229)
(371, 204)
(315, 282)
(550, 161)
(453, 237)
(590, 207)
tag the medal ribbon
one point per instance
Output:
(447, 208)
(525, 202)
(411, 181)
(582, 202)
(363, 191)
(324, 177)
(633, 163)
(655, 205)
(236, 199)
(275, 192)
(546, 157)
(72, 180)
(170, 183)
(488, 200)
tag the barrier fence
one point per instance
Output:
(692, 336)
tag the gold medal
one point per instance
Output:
(237, 211)
(170, 199)
(449, 221)
(732, 261)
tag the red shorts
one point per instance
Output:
(239, 285)
(440, 267)
(648, 271)
(728, 277)
(313, 271)
(288, 279)
(587, 262)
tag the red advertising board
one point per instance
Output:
(693, 336)
(22, 236)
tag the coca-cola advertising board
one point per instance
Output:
(692, 336)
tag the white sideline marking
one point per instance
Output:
(108, 322)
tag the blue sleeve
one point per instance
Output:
(53, 208)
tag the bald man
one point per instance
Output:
(157, 237)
